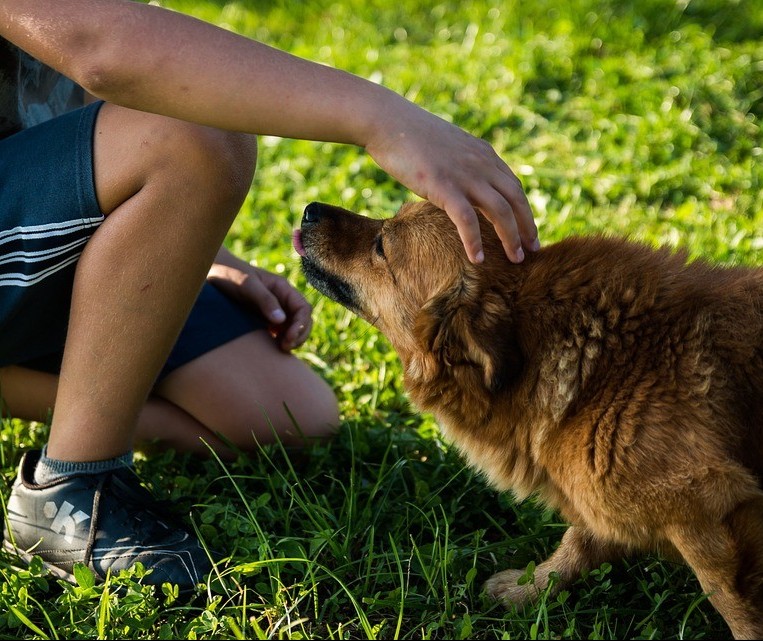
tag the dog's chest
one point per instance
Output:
(503, 452)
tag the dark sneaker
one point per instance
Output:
(105, 521)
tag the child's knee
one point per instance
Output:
(234, 156)
(321, 420)
(134, 149)
(307, 413)
(215, 159)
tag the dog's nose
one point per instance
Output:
(312, 213)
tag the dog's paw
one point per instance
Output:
(506, 587)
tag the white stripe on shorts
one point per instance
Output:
(43, 254)
(50, 229)
(27, 280)
(67, 254)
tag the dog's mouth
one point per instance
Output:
(296, 240)
(328, 284)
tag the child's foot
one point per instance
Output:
(105, 521)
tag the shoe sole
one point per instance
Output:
(27, 557)
(184, 594)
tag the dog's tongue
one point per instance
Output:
(296, 239)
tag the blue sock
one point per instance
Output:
(50, 469)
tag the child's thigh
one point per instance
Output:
(48, 212)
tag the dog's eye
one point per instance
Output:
(379, 247)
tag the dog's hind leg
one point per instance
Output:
(728, 561)
(578, 551)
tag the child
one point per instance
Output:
(117, 304)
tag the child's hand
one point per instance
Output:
(457, 172)
(287, 311)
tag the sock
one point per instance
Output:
(50, 469)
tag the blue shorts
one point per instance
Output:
(48, 212)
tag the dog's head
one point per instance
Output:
(410, 277)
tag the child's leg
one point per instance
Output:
(247, 389)
(170, 191)
(240, 389)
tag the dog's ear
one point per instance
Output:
(462, 328)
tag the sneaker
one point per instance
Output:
(106, 521)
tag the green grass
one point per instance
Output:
(637, 117)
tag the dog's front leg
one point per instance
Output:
(579, 550)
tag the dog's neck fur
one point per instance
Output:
(466, 385)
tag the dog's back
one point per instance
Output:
(630, 312)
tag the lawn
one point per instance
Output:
(636, 117)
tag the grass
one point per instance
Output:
(637, 117)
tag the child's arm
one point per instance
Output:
(152, 59)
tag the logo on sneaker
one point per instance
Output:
(63, 519)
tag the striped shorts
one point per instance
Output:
(48, 212)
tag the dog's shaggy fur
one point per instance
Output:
(621, 385)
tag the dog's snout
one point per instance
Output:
(312, 213)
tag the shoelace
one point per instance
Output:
(130, 493)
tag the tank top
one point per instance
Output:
(31, 92)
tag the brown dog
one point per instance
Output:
(618, 383)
